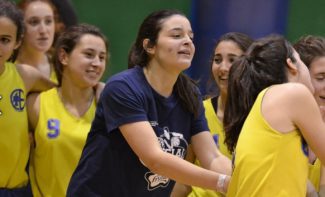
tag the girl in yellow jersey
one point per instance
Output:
(228, 48)
(312, 52)
(15, 83)
(270, 114)
(61, 117)
(40, 23)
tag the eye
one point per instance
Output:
(319, 78)
(4, 40)
(89, 54)
(102, 58)
(33, 22)
(176, 35)
(232, 59)
(217, 60)
(48, 21)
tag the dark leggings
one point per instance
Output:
(17, 192)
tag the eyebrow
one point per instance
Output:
(180, 29)
(5, 36)
(230, 54)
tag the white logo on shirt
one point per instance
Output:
(173, 143)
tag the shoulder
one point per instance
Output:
(293, 91)
(290, 96)
(131, 80)
(27, 73)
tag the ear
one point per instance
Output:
(146, 44)
(17, 45)
(63, 57)
(292, 68)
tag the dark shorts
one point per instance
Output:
(17, 192)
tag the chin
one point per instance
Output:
(44, 49)
(185, 65)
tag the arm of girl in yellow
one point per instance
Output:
(213, 161)
(34, 80)
(321, 192)
(181, 190)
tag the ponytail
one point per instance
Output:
(238, 88)
(263, 65)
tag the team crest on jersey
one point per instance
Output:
(53, 128)
(173, 143)
(17, 99)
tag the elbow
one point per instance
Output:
(154, 162)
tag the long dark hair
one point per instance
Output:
(9, 10)
(242, 40)
(263, 65)
(185, 88)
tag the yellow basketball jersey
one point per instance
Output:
(14, 141)
(314, 173)
(267, 162)
(59, 138)
(53, 76)
(218, 134)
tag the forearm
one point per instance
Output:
(221, 164)
(311, 191)
(184, 172)
(181, 190)
(321, 192)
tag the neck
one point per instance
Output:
(31, 57)
(161, 80)
(221, 105)
(76, 100)
(2, 68)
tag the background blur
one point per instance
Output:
(120, 19)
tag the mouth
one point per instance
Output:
(42, 39)
(223, 78)
(185, 52)
(92, 73)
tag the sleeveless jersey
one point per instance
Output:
(314, 173)
(14, 140)
(267, 162)
(216, 129)
(59, 138)
(53, 76)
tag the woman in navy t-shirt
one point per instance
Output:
(145, 119)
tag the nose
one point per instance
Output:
(96, 61)
(224, 66)
(42, 27)
(188, 40)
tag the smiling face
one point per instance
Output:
(174, 48)
(317, 74)
(40, 26)
(225, 54)
(85, 65)
(8, 34)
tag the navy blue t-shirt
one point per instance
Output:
(108, 166)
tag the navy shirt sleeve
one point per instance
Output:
(200, 123)
(122, 105)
